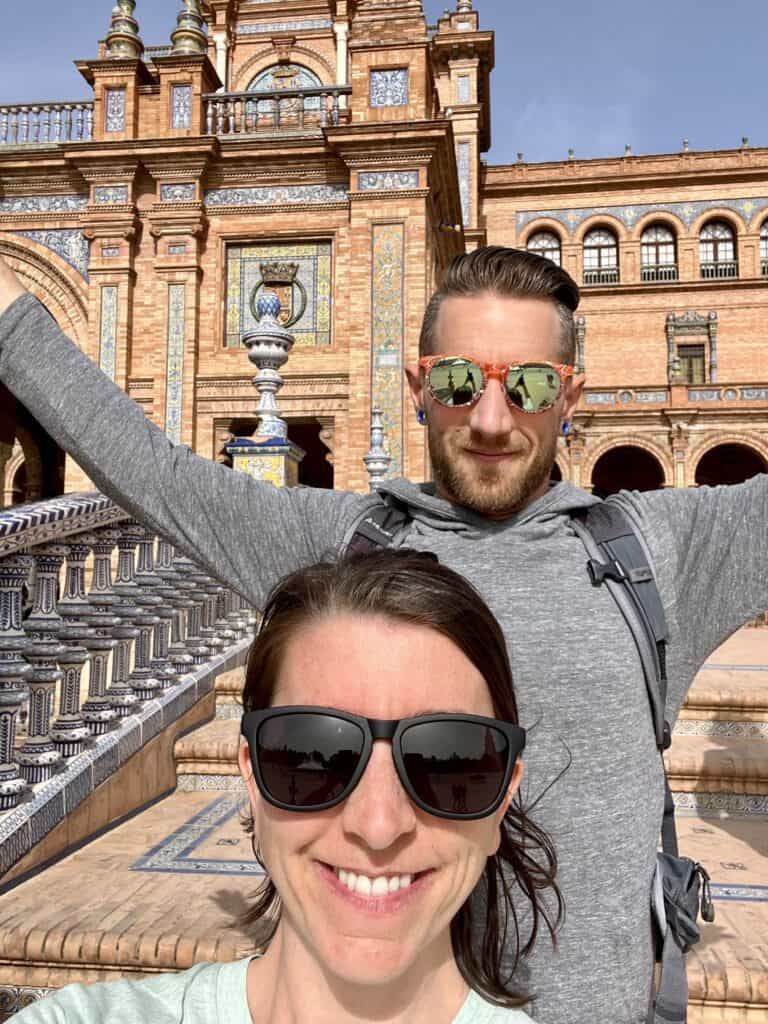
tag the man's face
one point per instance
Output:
(490, 456)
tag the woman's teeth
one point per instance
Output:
(382, 885)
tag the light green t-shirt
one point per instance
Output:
(206, 994)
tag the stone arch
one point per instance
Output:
(25, 453)
(556, 227)
(731, 217)
(628, 467)
(267, 57)
(51, 280)
(669, 220)
(601, 220)
(662, 457)
(748, 441)
(758, 220)
(560, 467)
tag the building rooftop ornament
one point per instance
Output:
(269, 345)
(188, 36)
(464, 5)
(123, 40)
(378, 460)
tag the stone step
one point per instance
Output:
(719, 774)
(206, 759)
(166, 890)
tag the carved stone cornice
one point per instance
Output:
(189, 166)
(120, 170)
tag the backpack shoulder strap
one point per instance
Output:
(375, 528)
(618, 559)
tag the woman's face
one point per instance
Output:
(379, 668)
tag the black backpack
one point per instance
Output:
(617, 559)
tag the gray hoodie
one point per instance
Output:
(593, 774)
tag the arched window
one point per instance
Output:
(276, 111)
(284, 76)
(545, 243)
(657, 252)
(764, 249)
(717, 251)
(601, 257)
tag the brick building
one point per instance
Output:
(332, 150)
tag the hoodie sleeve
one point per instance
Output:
(709, 546)
(246, 533)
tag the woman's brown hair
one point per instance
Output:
(413, 587)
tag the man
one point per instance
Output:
(593, 773)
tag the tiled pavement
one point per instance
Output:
(159, 891)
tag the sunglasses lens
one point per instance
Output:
(307, 760)
(533, 387)
(455, 767)
(455, 382)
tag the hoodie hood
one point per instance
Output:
(424, 506)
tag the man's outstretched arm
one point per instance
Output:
(247, 533)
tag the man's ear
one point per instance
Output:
(415, 385)
(572, 395)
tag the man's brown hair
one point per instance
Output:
(508, 273)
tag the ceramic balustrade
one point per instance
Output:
(119, 644)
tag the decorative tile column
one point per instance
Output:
(120, 693)
(98, 711)
(38, 757)
(145, 685)
(169, 572)
(70, 732)
(14, 670)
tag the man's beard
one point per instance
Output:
(495, 491)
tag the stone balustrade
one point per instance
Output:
(247, 113)
(32, 124)
(81, 669)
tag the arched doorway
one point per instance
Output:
(729, 464)
(626, 468)
(556, 475)
(19, 486)
(314, 469)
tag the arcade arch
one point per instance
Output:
(626, 467)
(729, 463)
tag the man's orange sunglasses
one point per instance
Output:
(457, 381)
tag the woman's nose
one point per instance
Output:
(378, 810)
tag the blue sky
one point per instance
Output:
(594, 75)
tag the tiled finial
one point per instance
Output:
(627, 150)
(123, 39)
(464, 5)
(188, 37)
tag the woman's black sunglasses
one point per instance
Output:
(311, 758)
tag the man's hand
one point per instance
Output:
(10, 286)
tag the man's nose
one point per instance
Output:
(491, 415)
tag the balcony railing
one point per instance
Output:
(659, 272)
(83, 674)
(247, 113)
(601, 275)
(720, 269)
(764, 267)
(34, 124)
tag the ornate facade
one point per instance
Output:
(333, 150)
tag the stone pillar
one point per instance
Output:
(14, 670)
(221, 40)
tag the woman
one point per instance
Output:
(380, 753)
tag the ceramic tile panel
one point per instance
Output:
(312, 290)
(388, 334)
(114, 110)
(108, 331)
(181, 106)
(174, 384)
(71, 245)
(389, 88)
